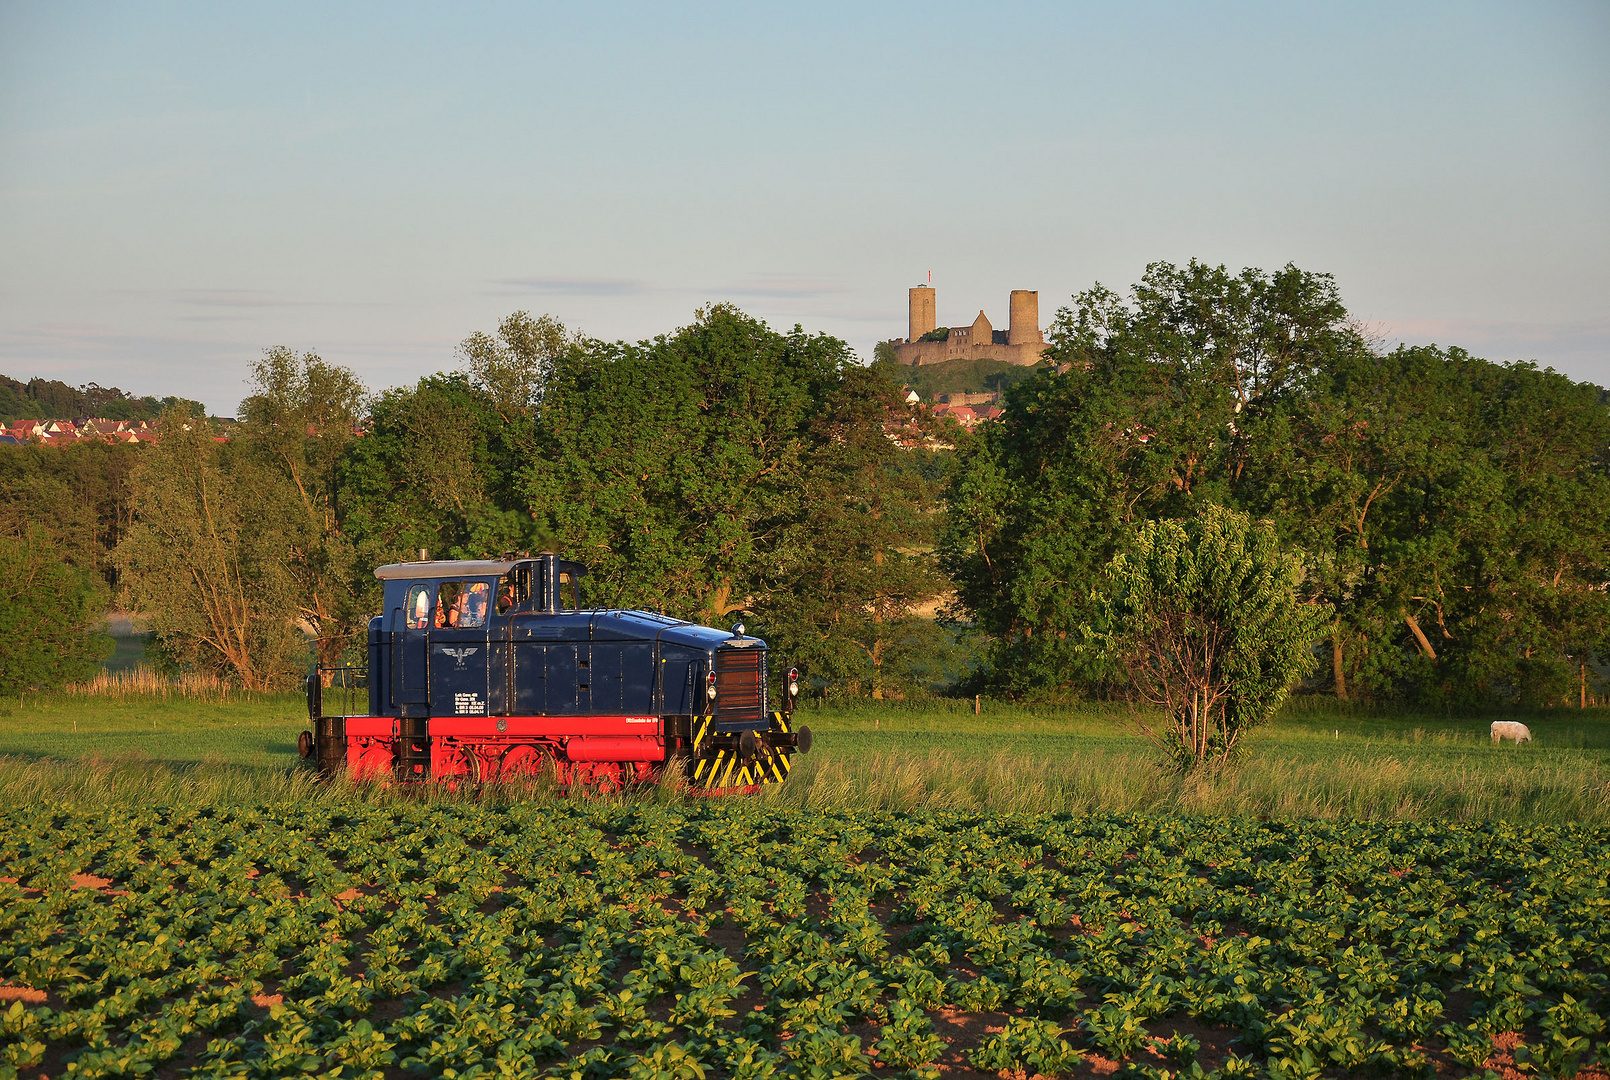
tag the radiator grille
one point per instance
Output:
(740, 684)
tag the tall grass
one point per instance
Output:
(1350, 787)
(1521, 788)
(142, 680)
(136, 779)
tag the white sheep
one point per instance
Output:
(1510, 729)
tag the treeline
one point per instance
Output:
(52, 399)
(1448, 511)
(720, 473)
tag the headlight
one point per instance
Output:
(710, 686)
(793, 682)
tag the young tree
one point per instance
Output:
(1204, 617)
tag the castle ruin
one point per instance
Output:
(927, 343)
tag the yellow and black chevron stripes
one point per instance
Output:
(701, 731)
(718, 769)
(723, 770)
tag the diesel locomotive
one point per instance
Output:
(491, 670)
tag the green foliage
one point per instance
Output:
(209, 559)
(436, 470)
(857, 557)
(515, 367)
(958, 376)
(1026, 1045)
(577, 940)
(728, 469)
(670, 466)
(52, 399)
(78, 494)
(296, 426)
(1204, 617)
(50, 623)
(1450, 510)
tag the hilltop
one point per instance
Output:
(961, 376)
(46, 399)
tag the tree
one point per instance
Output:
(208, 559)
(1149, 412)
(77, 493)
(854, 565)
(50, 623)
(672, 467)
(438, 469)
(297, 425)
(514, 367)
(1203, 615)
(1451, 510)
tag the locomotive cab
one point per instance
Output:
(492, 669)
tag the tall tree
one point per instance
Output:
(298, 424)
(436, 470)
(853, 567)
(515, 366)
(1447, 508)
(672, 466)
(207, 560)
(1145, 416)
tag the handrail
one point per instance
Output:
(351, 683)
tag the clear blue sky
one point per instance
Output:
(183, 186)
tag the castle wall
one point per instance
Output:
(937, 352)
(1022, 344)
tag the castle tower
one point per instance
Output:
(923, 317)
(1024, 328)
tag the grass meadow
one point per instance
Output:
(1320, 758)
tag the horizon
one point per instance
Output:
(182, 188)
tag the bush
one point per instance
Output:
(49, 624)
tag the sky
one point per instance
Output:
(184, 186)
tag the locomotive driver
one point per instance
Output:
(472, 602)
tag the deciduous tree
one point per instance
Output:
(207, 561)
(50, 624)
(1204, 619)
(297, 425)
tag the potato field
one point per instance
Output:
(592, 940)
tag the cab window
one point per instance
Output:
(461, 605)
(418, 607)
(514, 589)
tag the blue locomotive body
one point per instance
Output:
(491, 670)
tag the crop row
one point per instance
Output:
(589, 941)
